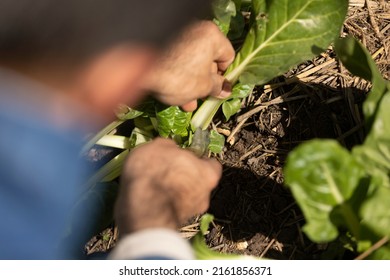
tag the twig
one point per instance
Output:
(373, 22)
(374, 247)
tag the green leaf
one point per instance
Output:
(223, 10)
(374, 154)
(323, 177)
(283, 34)
(231, 107)
(375, 212)
(359, 62)
(205, 223)
(241, 90)
(172, 121)
(217, 142)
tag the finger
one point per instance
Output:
(214, 68)
(190, 107)
(224, 54)
(221, 87)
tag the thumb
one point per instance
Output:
(221, 87)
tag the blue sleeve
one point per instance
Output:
(40, 179)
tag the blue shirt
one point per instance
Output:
(40, 175)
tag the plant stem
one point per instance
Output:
(100, 134)
(204, 115)
(114, 141)
(108, 172)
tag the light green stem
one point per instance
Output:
(100, 134)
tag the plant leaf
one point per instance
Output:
(172, 121)
(359, 62)
(374, 154)
(223, 11)
(231, 107)
(323, 176)
(217, 142)
(241, 90)
(375, 212)
(283, 34)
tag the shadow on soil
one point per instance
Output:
(251, 205)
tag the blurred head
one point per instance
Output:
(99, 49)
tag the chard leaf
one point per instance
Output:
(172, 121)
(223, 10)
(359, 62)
(374, 154)
(231, 107)
(241, 90)
(323, 177)
(375, 212)
(217, 142)
(283, 34)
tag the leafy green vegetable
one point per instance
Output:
(322, 176)
(217, 142)
(359, 62)
(172, 121)
(224, 10)
(338, 189)
(282, 34)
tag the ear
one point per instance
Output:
(115, 77)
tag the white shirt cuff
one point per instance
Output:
(155, 242)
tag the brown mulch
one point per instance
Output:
(255, 214)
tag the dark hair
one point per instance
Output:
(79, 28)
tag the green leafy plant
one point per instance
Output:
(271, 36)
(348, 191)
(279, 35)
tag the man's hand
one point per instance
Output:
(163, 186)
(192, 68)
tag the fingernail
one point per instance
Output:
(226, 90)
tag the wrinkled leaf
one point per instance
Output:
(172, 121)
(359, 62)
(283, 34)
(217, 142)
(323, 177)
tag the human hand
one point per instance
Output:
(162, 186)
(192, 68)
